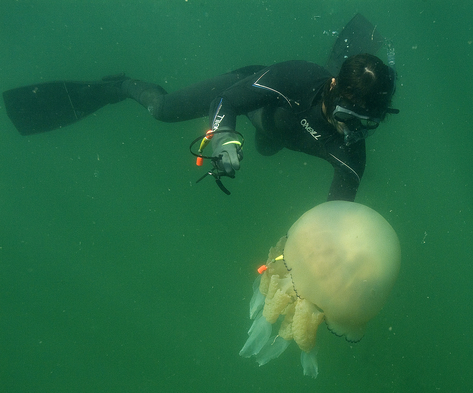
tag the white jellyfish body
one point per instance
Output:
(340, 262)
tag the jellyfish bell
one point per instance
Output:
(339, 263)
(343, 257)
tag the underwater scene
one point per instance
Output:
(120, 273)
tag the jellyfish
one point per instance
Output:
(338, 264)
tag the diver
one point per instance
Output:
(327, 112)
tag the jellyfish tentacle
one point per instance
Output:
(275, 346)
(285, 329)
(257, 300)
(258, 336)
(305, 323)
(277, 298)
(309, 363)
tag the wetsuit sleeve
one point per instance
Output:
(344, 186)
(348, 165)
(237, 100)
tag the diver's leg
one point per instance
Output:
(189, 103)
(147, 94)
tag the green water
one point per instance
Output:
(119, 274)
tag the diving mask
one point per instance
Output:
(355, 125)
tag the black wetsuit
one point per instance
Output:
(284, 103)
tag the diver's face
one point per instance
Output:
(354, 125)
(339, 126)
(352, 121)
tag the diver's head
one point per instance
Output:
(358, 99)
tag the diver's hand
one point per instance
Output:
(228, 153)
(228, 158)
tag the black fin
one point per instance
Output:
(47, 106)
(358, 36)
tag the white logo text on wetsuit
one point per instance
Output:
(314, 134)
(218, 119)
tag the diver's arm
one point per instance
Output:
(344, 186)
(237, 100)
(288, 84)
(243, 97)
(349, 165)
(225, 144)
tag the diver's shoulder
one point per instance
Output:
(300, 65)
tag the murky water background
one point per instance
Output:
(119, 273)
